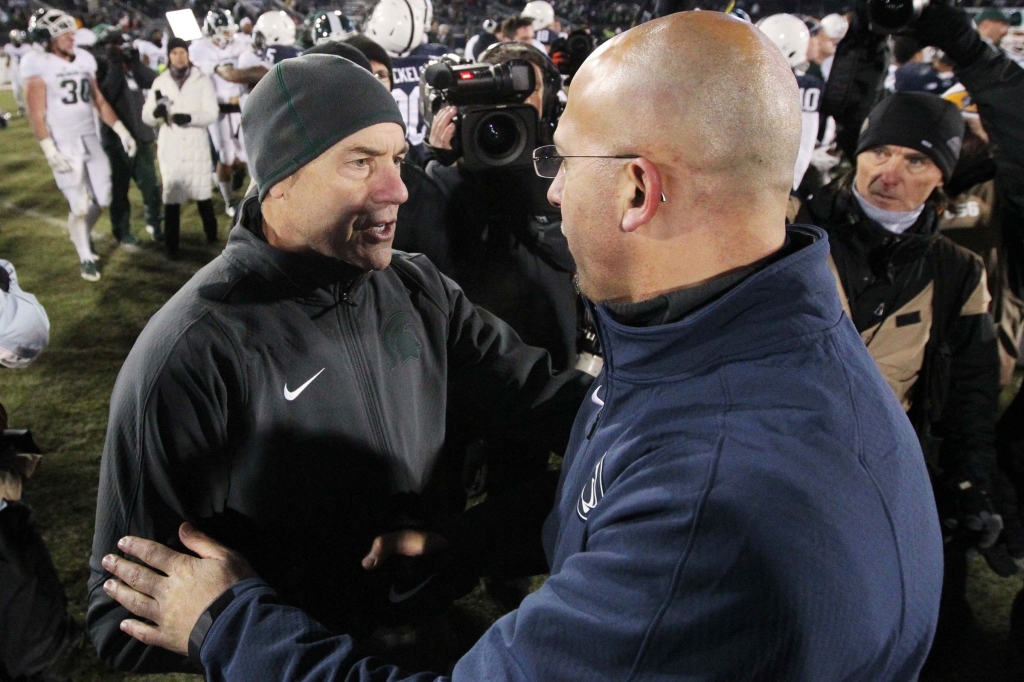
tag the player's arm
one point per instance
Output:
(109, 116)
(247, 76)
(35, 98)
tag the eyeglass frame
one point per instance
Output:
(536, 169)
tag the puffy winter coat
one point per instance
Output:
(184, 151)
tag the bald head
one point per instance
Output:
(702, 90)
(679, 139)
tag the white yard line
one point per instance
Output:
(36, 215)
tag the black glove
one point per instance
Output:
(974, 515)
(160, 111)
(5, 280)
(181, 119)
(949, 29)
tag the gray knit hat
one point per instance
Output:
(304, 106)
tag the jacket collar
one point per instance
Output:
(838, 210)
(301, 273)
(790, 298)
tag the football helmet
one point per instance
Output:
(18, 36)
(329, 24)
(399, 26)
(1013, 42)
(220, 26)
(835, 26)
(47, 25)
(790, 35)
(541, 12)
(273, 28)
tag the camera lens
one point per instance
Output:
(498, 135)
(889, 16)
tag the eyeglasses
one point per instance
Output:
(547, 161)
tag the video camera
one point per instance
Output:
(570, 52)
(893, 16)
(494, 129)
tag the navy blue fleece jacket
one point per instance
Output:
(743, 498)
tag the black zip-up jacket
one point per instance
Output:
(932, 337)
(294, 408)
(126, 101)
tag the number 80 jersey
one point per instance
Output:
(69, 104)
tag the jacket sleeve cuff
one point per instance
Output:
(202, 627)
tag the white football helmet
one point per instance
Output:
(541, 12)
(399, 26)
(835, 26)
(1013, 42)
(274, 28)
(51, 23)
(220, 26)
(790, 35)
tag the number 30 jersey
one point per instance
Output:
(69, 103)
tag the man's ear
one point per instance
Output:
(646, 194)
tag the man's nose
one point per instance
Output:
(891, 171)
(391, 189)
(555, 190)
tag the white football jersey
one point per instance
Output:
(154, 53)
(16, 53)
(69, 102)
(207, 57)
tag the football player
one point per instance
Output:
(546, 28)
(220, 49)
(61, 94)
(273, 40)
(792, 37)
(15, 50)
(399, 26)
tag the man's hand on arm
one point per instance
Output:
(174, 601)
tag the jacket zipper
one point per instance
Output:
(370, 398)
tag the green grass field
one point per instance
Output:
(64, 396)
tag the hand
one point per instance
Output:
(181, 119)
(950, 29)
(974, 513)
(443, 128)
(173, 603)
(58, 162)
(160, 111)
(127, 141)
(410, 543)
(227, 71)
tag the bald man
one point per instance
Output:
(742, 498)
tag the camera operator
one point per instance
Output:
(508, 250)
(39, 640)
(123, 78)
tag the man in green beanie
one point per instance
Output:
(291, 400)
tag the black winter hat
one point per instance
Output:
(176, 42)
(920, 121)
(305, 105)
(373, 51)
(341, 50)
